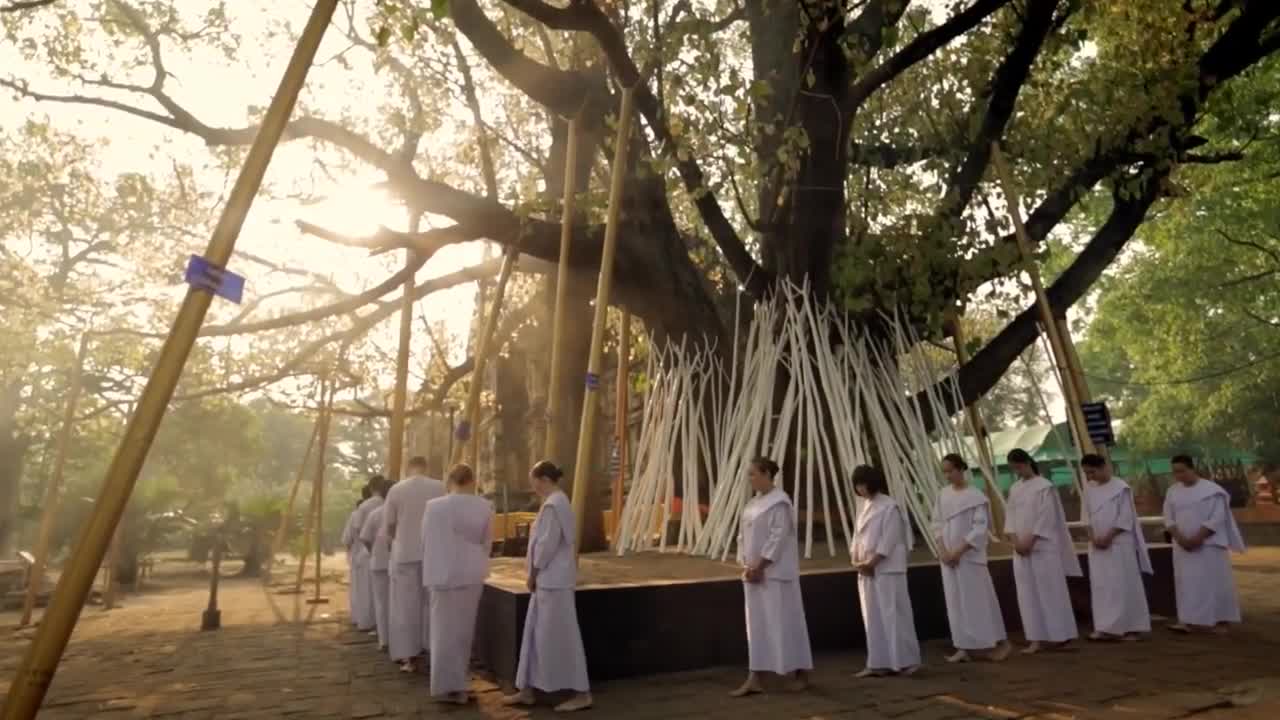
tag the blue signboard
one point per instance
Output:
(593, 381)
(219, 281)
(463, 431)
(1097, 422)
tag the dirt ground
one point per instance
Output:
(277, 656)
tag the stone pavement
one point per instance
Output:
(276, 657)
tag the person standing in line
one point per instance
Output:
(1117, 555)
(777, 634)
(348, 543)
(1197, 514)
(402, 522)
(961, 518)
(359, 596)
(457, 535)
(379, 547)
(881, 543)
(551, 653)
(1044, 557)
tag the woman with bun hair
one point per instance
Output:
(777, 634)
(551, 654)
(881, 544)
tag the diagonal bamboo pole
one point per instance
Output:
(554, 389)
(31, 682)
(51, 498)
(586, 432)
(469, 448)
(1072, 396)
(395, 444)
(277, 542)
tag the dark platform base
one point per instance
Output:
(664, 626)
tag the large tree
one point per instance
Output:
(839, 143)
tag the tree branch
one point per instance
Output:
(19, 5)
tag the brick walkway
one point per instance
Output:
(277, 656)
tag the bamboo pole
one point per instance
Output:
(977, 428)
(620, 424)
(586, 432)
(277, 542)
(322, 442)
(306, 539)
(51, 497)
(113, 559)
(469, 448)
(554, 389)
(1071, 394)
(399, 401)
(31, 682)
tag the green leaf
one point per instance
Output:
(440, 9)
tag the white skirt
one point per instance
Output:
(777, 633)
(551, 654)
(381, 592)
(889, 621)
(1043, 600)
(1204, 586)
(1118, 598)
(407, 612)
(973, 612)
(453, 617)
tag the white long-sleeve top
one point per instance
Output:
(768, 531)
(456, 538)
(551, 542)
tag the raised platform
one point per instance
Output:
(650, 613)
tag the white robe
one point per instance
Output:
(551, 653)
(1118, 597)
(1041, 576)
(456, 540)
(379, 577)
(881, 529)
(973, 612)
(1203, 582)
(408, 621)
(777, 633)
(361, 589)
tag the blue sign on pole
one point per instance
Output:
(593, 381)
(221, 282)
(1097, 422)
(463, 431)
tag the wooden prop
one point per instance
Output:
(113, 560)
(1047, 320)
(40, 663)
(277, 542)
(978, 430)
(395, 444)
(469, 448)
(623, 406)
(51, 496)
(586, 432)
(322, 446)
(554, 390)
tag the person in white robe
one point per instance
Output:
(402, 522)
(456, 541)
(358, 560)
(348, 543)
(551, 653)
(881, 542)
(366, 617)
(1197, 514)
(777, 633)
(961, 517)
(1117, 555)
(379, 546)
(1044, 556)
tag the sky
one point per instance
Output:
(219, 91)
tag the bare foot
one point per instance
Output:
(1221, 630)
(960, 656)
(408, 666)
(750, 687)
(1001, 653)
(869, 673)
(581, 701)
(1131, 638)
(1031, 649)
(799, 683)
(1097, 636)
(1180, 628)
(520, 697)
(908, 672)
